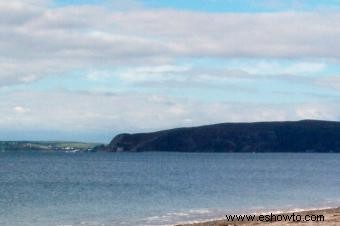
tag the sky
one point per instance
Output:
(88, 70)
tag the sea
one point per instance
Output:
(160, 188)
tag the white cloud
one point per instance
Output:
(317, 111)
(128, 112)
(270, 68)
(330, 81)
(154, 73)
(37, 40)
(212, 76)
(16, 12)
(20, 110)
(98, 75)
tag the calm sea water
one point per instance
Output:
(43, 189)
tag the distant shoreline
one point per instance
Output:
(65, 146)
(331, 218)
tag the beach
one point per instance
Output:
(331, 218)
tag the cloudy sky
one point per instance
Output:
(87, 70)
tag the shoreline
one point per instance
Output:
(331, 218)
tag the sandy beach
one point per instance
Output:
(331, 218)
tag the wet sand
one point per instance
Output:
(331, 218)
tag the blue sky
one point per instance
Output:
(87, 70)
(223, 5)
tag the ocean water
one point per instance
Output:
(59, 189)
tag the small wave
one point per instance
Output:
(184, 217)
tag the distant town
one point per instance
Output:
(46, 146)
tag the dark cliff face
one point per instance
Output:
(301, 136)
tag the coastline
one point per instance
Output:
(331, 218)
